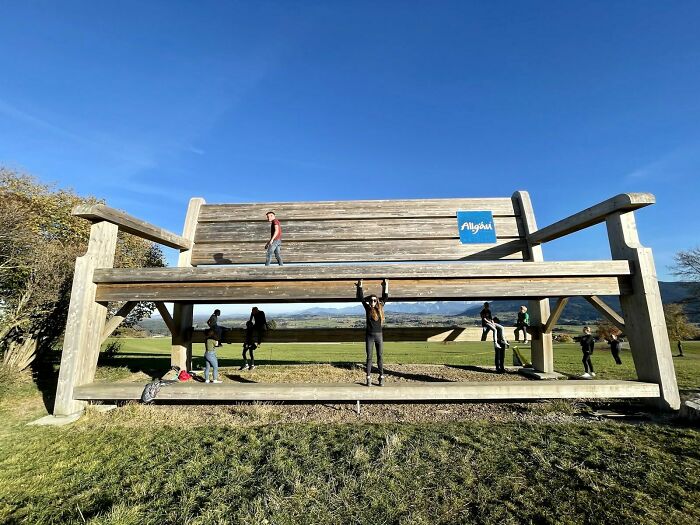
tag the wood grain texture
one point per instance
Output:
(341, 335)
(593, 215)
(345, 229)
(344, 291)
(349, 392)
(370, 271)
(610, 314)
(130, 224)
(351, 251)
(361, 209)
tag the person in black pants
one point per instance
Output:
(587, 342)
(248, 346)
(485, 321)
(374, 312)
(257, 317)
(614, 343)
(499, 344)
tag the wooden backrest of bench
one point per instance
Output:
(354, 231)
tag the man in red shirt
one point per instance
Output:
(273, 245)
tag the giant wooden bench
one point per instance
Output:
(328, 246)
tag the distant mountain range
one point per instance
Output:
(576, 311)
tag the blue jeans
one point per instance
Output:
(274, 248)
(210, 360)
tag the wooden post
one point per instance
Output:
(181, 353)
(645, 325)
(540, 342)
(86, 320)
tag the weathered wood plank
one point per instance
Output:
(344, 291)
(325, 392)
(554, 316)
(610, 314)
(361, 209)
(369, 271)
(541, 349)
(645, 325)
(346, 229)
(117, 319)
(130, 224)
(593, 215)
(341, 335)
(352, 251)
(167, 318)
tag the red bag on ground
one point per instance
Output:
(184, 375)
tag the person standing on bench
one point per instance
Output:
(248, 346)
(522, 323)
(210, 360)
(374, 313)
(485, 321)
(257, 317)
(275, 242)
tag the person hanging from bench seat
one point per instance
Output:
(499, 344)
(374, 313)
(485, 321)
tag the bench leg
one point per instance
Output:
(181, 350)
(645, 325)
(540, 343)
(86, 320)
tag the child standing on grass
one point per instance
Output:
(248, 346)
(587, 342)
(210, 360)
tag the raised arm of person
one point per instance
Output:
(385, 291)
(360, 293)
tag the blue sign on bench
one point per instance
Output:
(476, 227)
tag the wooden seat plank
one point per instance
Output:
(361, 209)
(327, 392)
(344, 291)
(513, 270)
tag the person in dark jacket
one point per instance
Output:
(374, 313)
(499, 344)
(257, 317)
(486, 321)
(614, 343)
(587, 342)
(249, 346)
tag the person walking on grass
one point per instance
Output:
(275, 243)
(614, 343)
(522, 323)
(499, 344)
(486, 319)
(248, 346)
(210, 360)
(374, 314)
(587, 342)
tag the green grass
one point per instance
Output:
(143, 465)
(153, 355)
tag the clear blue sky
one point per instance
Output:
(149, 103)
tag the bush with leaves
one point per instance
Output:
(39, 242)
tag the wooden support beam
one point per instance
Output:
(165, 314)
(117, 319)
(86, 320)
(541, 348)
(554, 317)
(610, 314)
(130, 224)
(594, 215)
(645, 325)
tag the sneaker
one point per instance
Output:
(592, 374)
(217, 381)
(381, 380)
(206, 380)
(368, 381)
(244, 367)
(586, 375)
(252, 367)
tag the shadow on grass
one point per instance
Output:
(424, 378)
(476, 368)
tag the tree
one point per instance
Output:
(688, 264)
(604, 329)
(677, 324)
(39, 241)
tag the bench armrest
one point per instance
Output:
(129, 224)
(595, 214)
